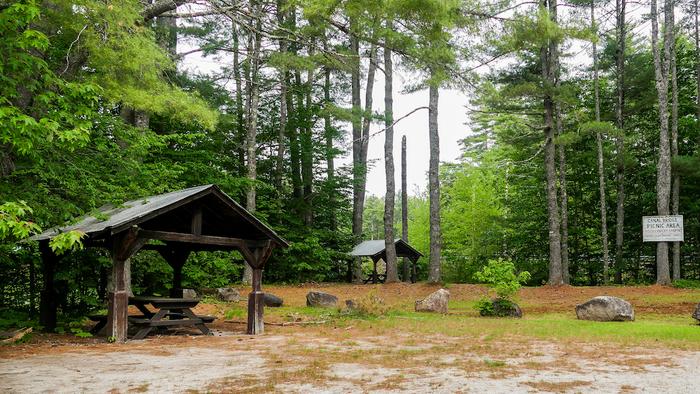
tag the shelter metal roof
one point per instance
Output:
(113, 219)
(376, 247)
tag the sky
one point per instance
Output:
(452, 128)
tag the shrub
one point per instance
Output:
(370, 305)
(499, 275)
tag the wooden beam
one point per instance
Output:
(201, 239)
(197, 221)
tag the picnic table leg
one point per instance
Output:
(202, 327)
(146, 330)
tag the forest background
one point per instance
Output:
(578, 126)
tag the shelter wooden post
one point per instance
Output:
(256, 299)
(48, 305)
(176, 258)
(124, 245)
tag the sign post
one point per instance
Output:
(667, 228)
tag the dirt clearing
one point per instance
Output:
(404, 351)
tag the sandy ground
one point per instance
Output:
(303, 363)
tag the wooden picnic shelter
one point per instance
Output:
(376, 250)
(201, 218)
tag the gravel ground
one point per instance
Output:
(281, 363)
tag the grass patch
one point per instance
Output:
(670, 330)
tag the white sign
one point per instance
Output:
(662, 228)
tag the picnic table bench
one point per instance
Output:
(168, 312)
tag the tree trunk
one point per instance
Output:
(676, 182)
(549, 61)
(404, 209)
(392, 274)
(294, 148)
(663, 174)
(357, 165)
(360, 164)
(254, 42)
(564, 202)
(307, 171)
(330, 154)
(601, 158)
(697, 60)
(620, 139)
(281, 133)
(240, 110)
(434, 274)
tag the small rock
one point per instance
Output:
(189, 293)
(350, 305)
(228, 294)
(435, 302)
(272, 300)
(696, 314)
(605, 308)
(321, 299)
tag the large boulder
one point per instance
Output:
(321, 299)
(272, 300)
(605, 308)
(435, 302)
(502, 308)
(189, 293)
(228, 294)
(696, 314)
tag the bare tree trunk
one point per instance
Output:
(564, 202)
(434, 274)
(601, 158)
(392, 273)
(549, 61)
(240, 110)
(676, 183)
(404, 209)
(281, 133)
(292, 132)
(620, 139)
(663, 175)
(254, 42)
(357, 165)
(330, 155)
(697, 60)
(307, 172)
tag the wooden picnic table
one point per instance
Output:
(168, 312)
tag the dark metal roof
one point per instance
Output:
(377, 247)
(111, 219)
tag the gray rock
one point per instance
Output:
(605, 308)
(435, 302)
(272, 300)
(696, 314)
(189, 293)
(321, 299)
(228, 294)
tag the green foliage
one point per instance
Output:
(11, 223)
(67, 242)
(500, 276)
(686, 283)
